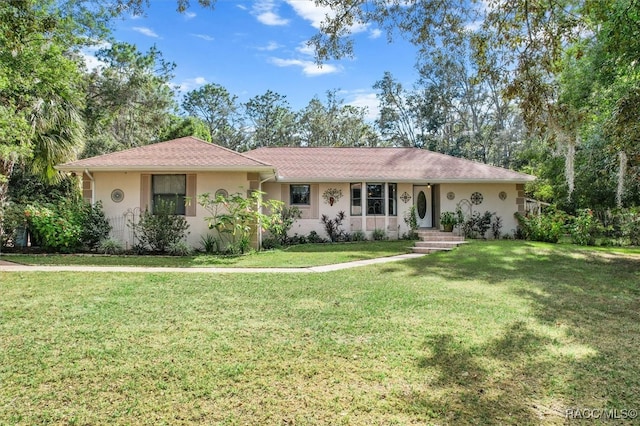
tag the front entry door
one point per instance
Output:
(422, 203)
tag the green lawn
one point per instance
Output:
(493, 333)
(300, 256)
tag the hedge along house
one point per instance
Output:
(374, 187)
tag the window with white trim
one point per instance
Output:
(375, 199)
(356, 199)
(393, 199)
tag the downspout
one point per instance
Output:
(260, 209)
(93, 186)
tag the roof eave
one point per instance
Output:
(164, 169)
(285, 179)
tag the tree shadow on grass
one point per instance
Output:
(472, 385)
(587, 303)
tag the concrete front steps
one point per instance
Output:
(432, 240)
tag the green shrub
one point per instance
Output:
(160, 230)
(333, 227)
(477, 225)
(631, 227)
(496, 227)
(546, 227)
(411, 220)
(110, 246)
(56, 227)
(314, 238)
(67, 224)
(280, 221)
(179, 248)
(95, 226)
(209, 243)
(358, 235)
(379, 235)
(585, 228)
(271, 244)
(12, 221)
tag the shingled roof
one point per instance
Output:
(301, 164)
(188, 153)
(379, 164)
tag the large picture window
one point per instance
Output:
(356, 199)
(300, 195)
(375, 199)
(169, 190)
(393, 199)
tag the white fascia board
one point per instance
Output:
(433, 181)
(172, 169)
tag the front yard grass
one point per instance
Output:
(502, 332)
(300, 256)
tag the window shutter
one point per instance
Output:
(190, 208)
(315, 201)
(145, 192)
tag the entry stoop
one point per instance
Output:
(432, 240)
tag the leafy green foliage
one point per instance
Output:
(477, 225)
(235, 218)
(272, 120)
(95, 226)
(110, 246)
(159, 230)
(379, 235)
(411, 220)
(13, 222)
(179, 248)
(129, 101)
(585, 228)
(67, 225)
(334, 124)
(56, 227)
(279, 222)
(546, 227)
(209, 243)
(220, 111)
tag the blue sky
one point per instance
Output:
(250, 47)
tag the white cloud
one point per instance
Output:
(146, 31)
(309, 11)
(365, 99)
(375, 33)
(88, 54)
(309, 68)
(305, 49)
(190, 84)
(189, 15)
(265, 11)
(271, 46)
(203, 36)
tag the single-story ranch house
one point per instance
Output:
(375, 187)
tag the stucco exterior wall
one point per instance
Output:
(491, 201)
(395, 226)
(119, 214)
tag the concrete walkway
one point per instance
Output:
(6, 266)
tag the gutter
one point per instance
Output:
(260, 208)
(93, 186)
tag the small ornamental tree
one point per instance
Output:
(235, 218)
